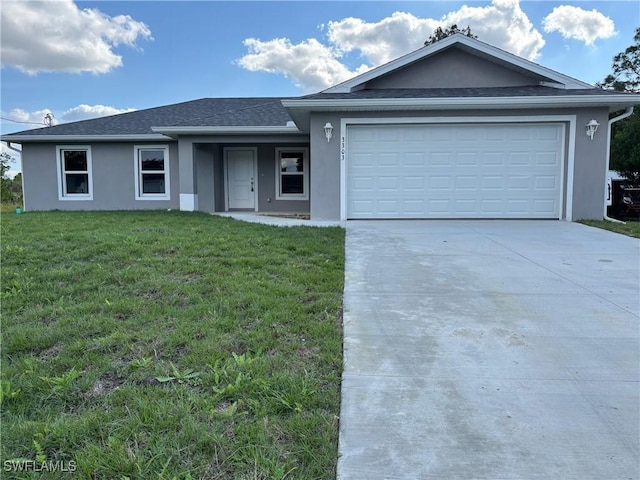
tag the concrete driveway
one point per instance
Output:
(490, 350)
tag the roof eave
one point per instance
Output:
(227, 130)
(459, 103)
(24, 138)
(300, 109)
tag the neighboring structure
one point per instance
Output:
(457, 129)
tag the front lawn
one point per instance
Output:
(162, 345)
(630, 228)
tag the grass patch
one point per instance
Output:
(9, 207)
(163, 345)
(630, 228)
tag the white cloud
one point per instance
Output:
(502, 24)
(81, 112)
(56, 36)
(35, 119)
(84, 112)
(574, 22)
(381, 41)
(309, 64)
(315, 66)
(30, 119)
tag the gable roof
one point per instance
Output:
(470, 45)
(230, 115)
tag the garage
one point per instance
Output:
(489, 170)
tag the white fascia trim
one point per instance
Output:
(571, 156)
(457, 103)
(83, 138)
(224, 129)
(565, 197)
(471, 43)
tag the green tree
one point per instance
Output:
(625, 137)
(440, 34)
(625, 148)
(626, 69)
(5, 160)
(10, 189)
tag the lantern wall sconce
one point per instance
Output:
(592, 126)
(328, 131)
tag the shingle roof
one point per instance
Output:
(203, 112)
(269, 111)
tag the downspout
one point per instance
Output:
(11, 147)
(626, 114)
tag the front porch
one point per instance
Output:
(268, 175)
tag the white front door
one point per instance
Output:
(241, 180)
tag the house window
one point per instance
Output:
(152, 172)
(292, 173)
(74, 173)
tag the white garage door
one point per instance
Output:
(454, 171)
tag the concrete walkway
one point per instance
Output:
(490, 350)
(276, 221)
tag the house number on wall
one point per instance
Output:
(342, 148)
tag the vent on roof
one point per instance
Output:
(49, 120)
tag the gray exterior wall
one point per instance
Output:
(588, 175)
(590, 172)
(113, 174)
(452, 68)
(114, 182)
(204, 156)
(325, 168)
(267, 183)
(202, 169)
(218, 178)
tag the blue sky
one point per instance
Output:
(84, 59)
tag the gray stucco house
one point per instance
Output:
(457, 129)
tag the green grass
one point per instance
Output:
(9, 207)
(630, 228)
(164, 345)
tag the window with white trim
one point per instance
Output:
(74, 172)
(152, 172)
(292, 173)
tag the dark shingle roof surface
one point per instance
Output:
(268, 111)
(203, 112)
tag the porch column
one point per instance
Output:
(187, 173)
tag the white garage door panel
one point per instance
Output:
(454, 171)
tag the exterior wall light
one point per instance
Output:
(328, 131)
(592, 126)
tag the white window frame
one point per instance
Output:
(305, 174)
(62, 173)
(138, 173)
